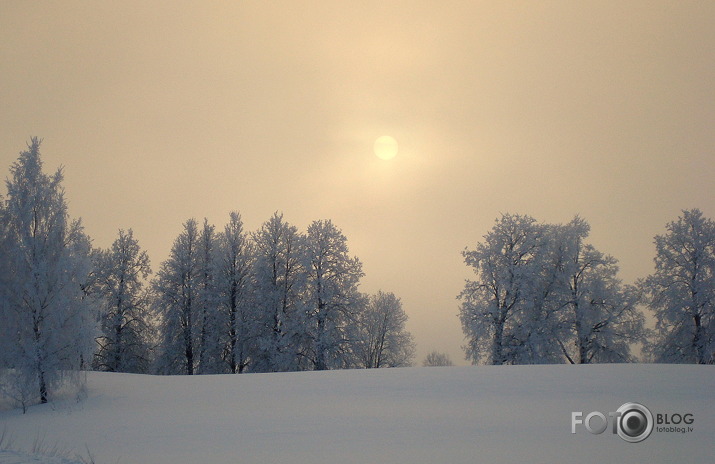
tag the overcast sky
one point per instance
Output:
(162, 111)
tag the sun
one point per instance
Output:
(385, 147)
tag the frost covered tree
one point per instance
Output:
(177, 289)
(681, 292)
(234, 274)
(280, 273)
(536, 325)
(543, 295)
(118, 280)
(47, 331)
(210, 324)
(333, 299)
(383, 339)
(492, 305)
(436, 359)
(599, 320)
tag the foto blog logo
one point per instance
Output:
(633, 422)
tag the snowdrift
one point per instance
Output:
(470, 415)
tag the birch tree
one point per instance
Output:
(600, 320)
(235, 295)
(333, 299)
(48, 329)
(118, 278)
(383, 338)
(176, 304)
(493, 303)
(543, 295)
(211, 319)
(681, 292)
(281, 273)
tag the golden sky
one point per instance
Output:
(162, 111)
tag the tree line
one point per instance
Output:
(225, 301)
(278, 299)
(542, 294)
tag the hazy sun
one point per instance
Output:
(385, 147)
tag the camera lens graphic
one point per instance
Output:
(635, 422)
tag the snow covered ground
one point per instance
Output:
(417, 415)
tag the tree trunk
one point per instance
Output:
(497, 352)
(188, 342)
(117, 360)
(697, 341)
(232, 338)
(320, 364)
(39, 358)
(43, 387)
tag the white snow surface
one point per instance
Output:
(18, 457)
(481, 414)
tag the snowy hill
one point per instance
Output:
(416, 415)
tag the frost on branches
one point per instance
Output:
(333, 300)
(47, 330)
(272, 301)
(280, 287)
(542, 295)
(681, 292)
(384, 342)
(225, 301)
(118, 279)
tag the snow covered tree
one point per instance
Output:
(436, 359)
(47, 331)
(493, 303)
(177, 303)
(333, 299)
(599, 319)
(383, 340)
(118, 279)
(536, 324)
(545, 296)
(681, 292)
(280, 275)
(209, 346)
(235, 295)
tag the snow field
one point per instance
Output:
(412, 415)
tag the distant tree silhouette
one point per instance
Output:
(436, 359)
(383, 340)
